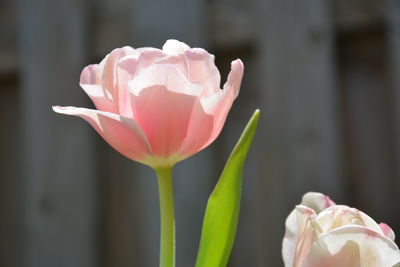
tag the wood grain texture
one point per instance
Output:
(301, 149)
(58, 172)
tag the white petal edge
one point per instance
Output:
(324, 217)
(163, 75)
(92, 116)
(368, 241)
(235, 77)
(173, 46)
(305, 218)
(316, 201)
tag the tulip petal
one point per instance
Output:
(198, 67)
(221, 102)
(103, 77)
(123, 134)
(174, 47)
(202, 69)
(127, 68)
(339, 215)
(109, 78)
(178, 61)
(350, 246)
(235, 77)
(163, 114)
(317, 201)
(195, 63)
(163, 75)
(301, 232)
(90, 82)
(199, 131)
(148, 56)
(387, 231)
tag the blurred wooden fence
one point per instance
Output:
(324, 73)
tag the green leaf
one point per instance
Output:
(221, 217)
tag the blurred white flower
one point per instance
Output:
(320, 233)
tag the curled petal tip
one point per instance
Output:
(67, 110)
(235, 77)
(387, 231)
(56, 109)
(237, 64)
(88, 74)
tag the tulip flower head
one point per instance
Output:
(320, 233)
(156, 106)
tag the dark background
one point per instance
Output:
(325, 74)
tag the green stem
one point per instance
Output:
(166, 192)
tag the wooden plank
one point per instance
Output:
(368, 123)
(232, 24)
(353, 15)
(152, 26)
(130, 200)
(10, 176)
(301, 147)
(58, 161)
(392, 16)
(8, 50)
(111, 26)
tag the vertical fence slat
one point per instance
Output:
(59, 190)
(10, 191)
(300, 151)
(392, 16)
(10, 175)
(367, 122)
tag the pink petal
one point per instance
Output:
(163, 114)
(201, 69)
(352, 246)
(199, 131)
(149, 56)
(300, 233)
(340, 215)
(210, 113)
(109, 75)
(178, 61)
(174, 47)
(221, 102)
(123, 134)
(317, 201)
(127, 68)
(91, 83)
(235, 77)
(387, 231)
(164, 75)
(194, 63)
(100, 81)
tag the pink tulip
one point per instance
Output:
(320, 233)
(157, 106)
